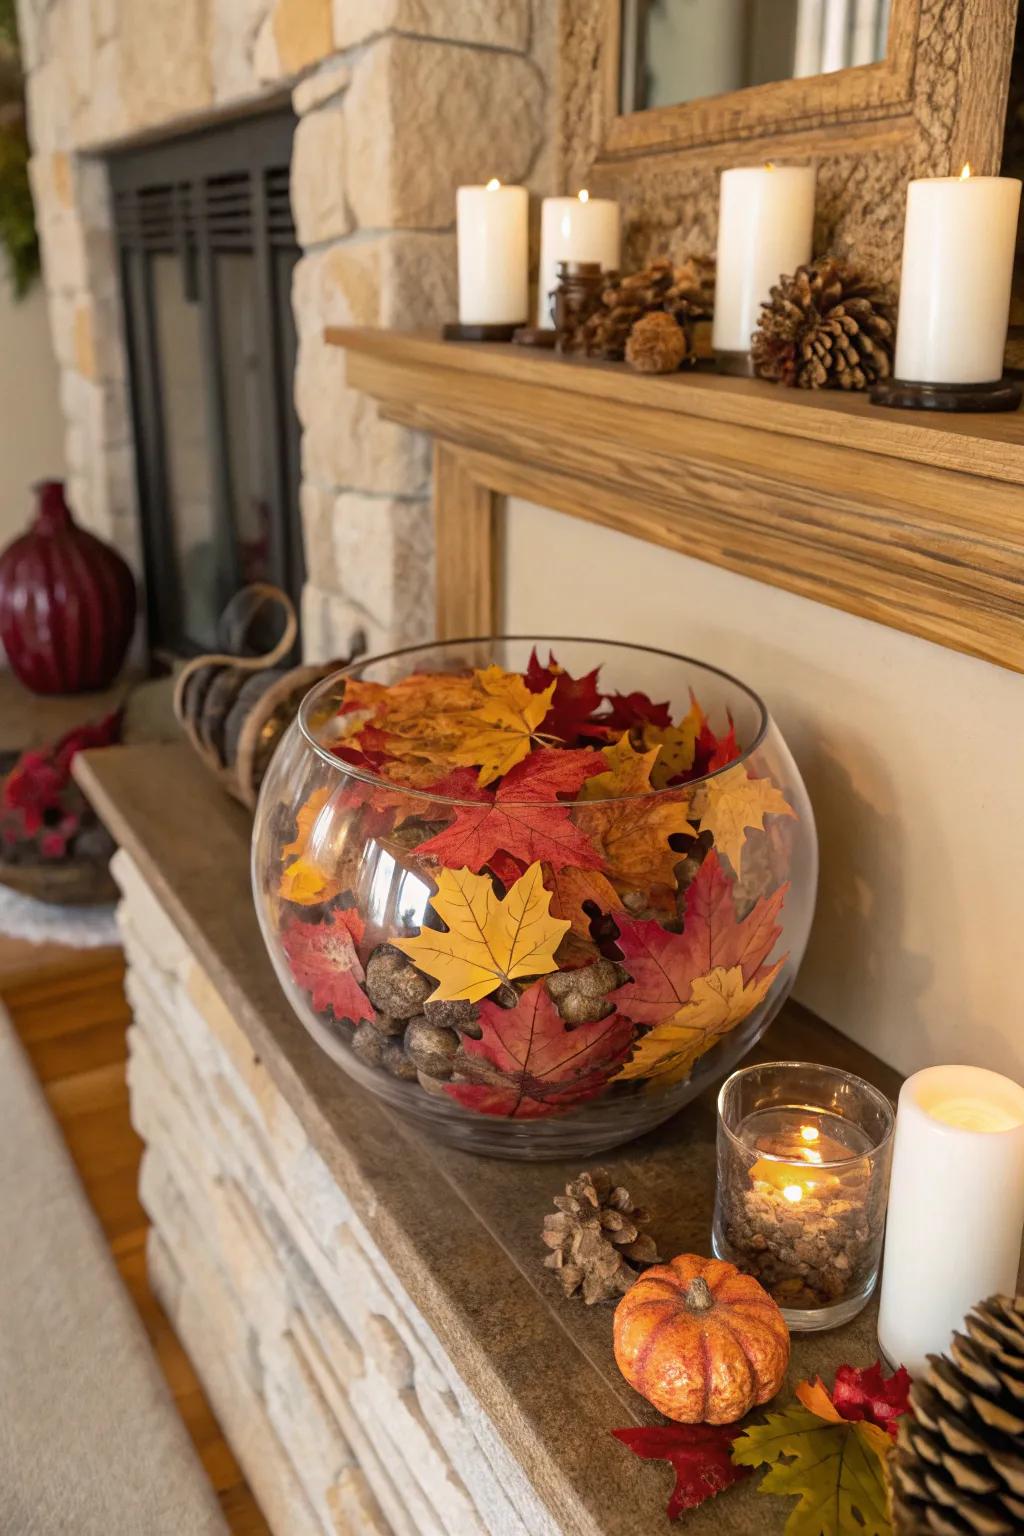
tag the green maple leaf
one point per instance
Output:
(834, 1469)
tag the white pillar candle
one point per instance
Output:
(492, 224)
(765, 228)
(580, 228)
(958, 243)
(956, 1207)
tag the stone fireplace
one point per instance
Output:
(396, 103)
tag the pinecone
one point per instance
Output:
(826, 327)
(682, 292)
(958, 1469)
(594, 1233)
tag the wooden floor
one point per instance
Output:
(69, 1008)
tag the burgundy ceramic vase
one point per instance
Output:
(67, 602)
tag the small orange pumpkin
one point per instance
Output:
(703, 1343)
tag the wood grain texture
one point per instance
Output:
(936, 100)
(464, 532)
(909, 522)
(68, 1007)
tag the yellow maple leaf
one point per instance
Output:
(731, 802)
(489, 941)
(678, 744)
(717, 1003)
(498, 732)
(306, 884)
(305, 821)
(628, 772)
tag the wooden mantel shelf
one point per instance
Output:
(911, 519)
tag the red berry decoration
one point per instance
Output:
(67, 602)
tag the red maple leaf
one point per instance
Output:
(664, 965)
(700, 1456)
(531, 1065)
(524, 817)
(324, 962)
(573, 701)
(629, 709)
(864, 1393)
(712, 751)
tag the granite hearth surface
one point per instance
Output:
(441, 1383)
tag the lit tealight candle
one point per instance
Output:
(492, 225)
(956, 1207)
(765, 225)
(958, 245)
(580, 228)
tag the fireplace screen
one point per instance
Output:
(207, 247)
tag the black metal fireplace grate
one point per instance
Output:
(207, 248)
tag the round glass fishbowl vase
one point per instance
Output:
(534, 894)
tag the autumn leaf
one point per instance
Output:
(574, 700)
(664, 965)
(523, 817)
(717, 1003)
(734, 802)
(305, 884)
(531, 1064)
(571, 887)
(834, 1469)
(698, 1454)
(323, 960)
(862, 1395)
(717, 751)
(628, 772)
(632, 835)
(632, 709)
(305, 821)
(498, 734)
(488, 941)
(677, 743)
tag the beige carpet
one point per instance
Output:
(90, 1441)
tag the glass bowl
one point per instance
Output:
(552, 962)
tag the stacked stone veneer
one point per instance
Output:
(343, 1409)
(399, 101)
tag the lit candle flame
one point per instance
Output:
(965, 174)
(793, 1193)
(493, 184)
(583, 195)
(769, 165)
(809, 1132)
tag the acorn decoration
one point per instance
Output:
(596, 1238)
(958, 1468)
(826, 327)
(702, 1343)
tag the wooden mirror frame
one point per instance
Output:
(937, 100)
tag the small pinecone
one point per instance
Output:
(596, 1230)
(958, 1469)
(826, 327)
(681, 292)
(657, 344)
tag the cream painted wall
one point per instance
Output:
(31, 427)
(913, 756)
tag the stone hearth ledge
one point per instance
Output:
(461, 1233)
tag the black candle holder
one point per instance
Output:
(910, 395)
(455, 331)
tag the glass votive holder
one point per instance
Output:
(803, 1177)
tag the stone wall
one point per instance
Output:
(399, 101)
(345, 1412)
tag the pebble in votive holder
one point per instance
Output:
(804, 1153)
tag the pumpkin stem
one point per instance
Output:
(697, 1295)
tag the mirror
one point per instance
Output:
(681, 50)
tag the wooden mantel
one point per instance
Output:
(911, 519)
